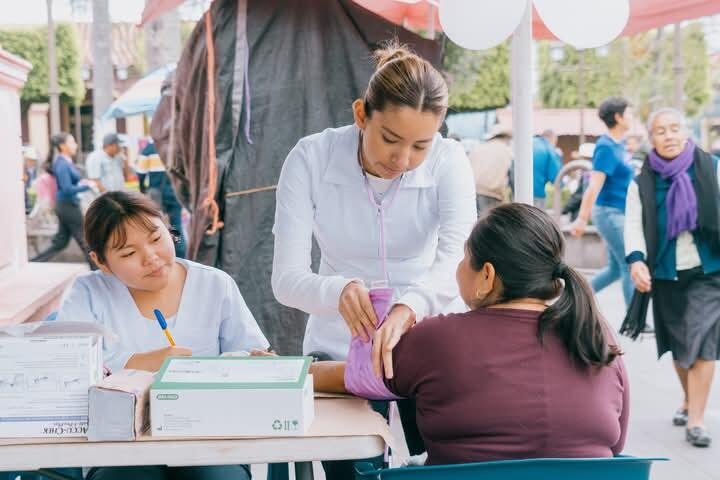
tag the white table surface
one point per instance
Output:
(343, 429)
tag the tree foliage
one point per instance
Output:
(31, 45)
(631, 67)
(477, 80)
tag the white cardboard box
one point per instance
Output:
(232, 397)
(46, 369)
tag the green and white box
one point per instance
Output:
(232, 397)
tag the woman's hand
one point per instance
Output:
(400, 319)
(357, 310)
(153, 360)
(262, 353)
(577, 228)
(641, 276)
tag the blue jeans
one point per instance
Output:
(610, 223)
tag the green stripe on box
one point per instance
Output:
(160, 385)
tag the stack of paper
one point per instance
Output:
(45, 372)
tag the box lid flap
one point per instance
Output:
(213, 373)
(56, 328)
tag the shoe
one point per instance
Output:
(698, 437)
(680, 418)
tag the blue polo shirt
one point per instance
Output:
(609, 158)
(546, 165)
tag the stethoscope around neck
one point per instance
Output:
(379, 206)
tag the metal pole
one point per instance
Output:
(522, 107)
(431, 21)
(78, 132)
(103, 75)
(581, 95)
(678, 69)
(53, 90)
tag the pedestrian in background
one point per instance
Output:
(67, 204)
(107, 167)
(672, 241)
(546, 165)
(30, 173)
(605, 196)
(154, 181)
(490, 162)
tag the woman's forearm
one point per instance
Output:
(588, 201)
(597, 180)
(328, 377)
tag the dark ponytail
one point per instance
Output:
(575, 318)
(526, 248)
(55, 142)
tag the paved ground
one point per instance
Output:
(655, 395)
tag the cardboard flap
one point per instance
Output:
(136, 382)
(56, 328)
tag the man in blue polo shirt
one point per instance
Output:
(546, 165)
(605, 196)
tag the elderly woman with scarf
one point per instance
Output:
(673, 248)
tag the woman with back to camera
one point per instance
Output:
(518, 376)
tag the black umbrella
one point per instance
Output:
(635, 319)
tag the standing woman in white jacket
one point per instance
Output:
(386, 198)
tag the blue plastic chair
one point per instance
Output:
(618, 468)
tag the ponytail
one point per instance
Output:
(575, 319)
(55, 142)
(525, 247)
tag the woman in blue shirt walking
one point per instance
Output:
(67, 205)
(605, 196)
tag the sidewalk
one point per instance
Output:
(655, 395)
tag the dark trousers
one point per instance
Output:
(161, 191)
(172, 207)
(161, 472)
(70, 221)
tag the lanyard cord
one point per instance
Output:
(379, 206)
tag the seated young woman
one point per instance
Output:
(517, 376)
(138, 273)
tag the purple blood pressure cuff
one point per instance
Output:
(359, 377)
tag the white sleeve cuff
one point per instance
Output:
(417, 304)
(333, 290)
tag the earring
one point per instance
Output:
(477, 294)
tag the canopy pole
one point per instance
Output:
(522, 107)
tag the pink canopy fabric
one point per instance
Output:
(644, 14)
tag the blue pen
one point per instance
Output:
(163, 325)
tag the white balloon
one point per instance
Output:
(584, 23)
(479, 25)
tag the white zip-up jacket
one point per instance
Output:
(321, 192)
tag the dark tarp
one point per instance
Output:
(308, 60)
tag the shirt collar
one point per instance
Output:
(343, 167)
